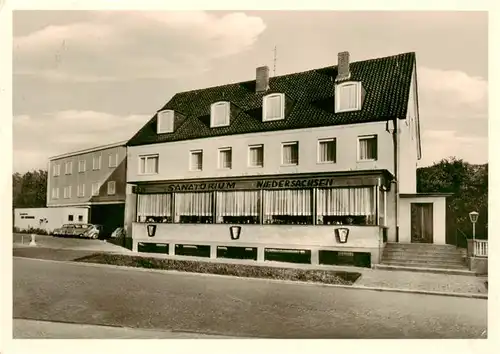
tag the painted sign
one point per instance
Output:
(287, 183)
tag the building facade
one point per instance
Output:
(311, 163)
(94, 179)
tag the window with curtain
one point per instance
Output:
(327, 150)
(347, 97)
(273, 107)
(81, 166)
(96, 162)
(154, 208)
(148, 164)
(241, 207)
(219, 114)
(165, 122)
(225, 158)
(196, 160)
(290, 153)
(256, 156)
(290, 206)
(193, 208)
(350, 205)
(367, 148)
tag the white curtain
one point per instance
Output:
(287, 202)
(193, 204)
(368, 148)
(196, 160)
(241, 203)
(346, 201)
(220, 114)
(291, 154)
(152, 164)
(153, 205)
(256, 156)
(273, 107)
(225, 158)
(349, 97)
(327, 151)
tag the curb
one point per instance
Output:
(359, 287)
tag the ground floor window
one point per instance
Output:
(288, 206)
(238, 207)
(322, 206)
(194, 208)
(353, 205)
(154, 208)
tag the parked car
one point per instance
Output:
(93, 231)
(79, 230)
(119, 232)
(65, 230)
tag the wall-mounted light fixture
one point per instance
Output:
(342, 234)
(235, 232)
(151, 230)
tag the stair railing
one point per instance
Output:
(462, 234)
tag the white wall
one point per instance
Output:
(174, 156)
(439, 218)
(408, 145)
(56, 217)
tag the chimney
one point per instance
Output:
(262, 79)
(343, 67)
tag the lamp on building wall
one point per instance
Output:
(473, 215)
(151, 230)
(235, 232)
(342, 234)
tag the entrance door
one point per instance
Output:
(421, 223)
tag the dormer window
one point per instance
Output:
(273, 107)
(165, 122)
(219, 114)
(348, 97)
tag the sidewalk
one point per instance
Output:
(372, 278)
(30, 329)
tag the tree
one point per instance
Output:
(30, 189)
(469, 187)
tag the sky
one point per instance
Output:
(86, 78)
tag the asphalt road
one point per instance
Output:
(66, 292)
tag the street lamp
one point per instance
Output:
(473, 215)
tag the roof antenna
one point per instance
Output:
(275, 58)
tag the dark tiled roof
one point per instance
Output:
(309, 102)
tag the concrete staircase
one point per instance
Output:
(424, 255)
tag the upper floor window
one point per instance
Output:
(80, 190)
(95, 189)
(290, 153)
(327, 150)
(113, 160)
(96, 163)
(81, 166)
(256, 155)
(68, 168)
(225, 158)
(56, 170)
(111, 187)
(348, 97)
(55, 193)
(196, 160)
(148, 164)
(67, 192)
(165, 122)
(274, 107)
(367, 148)
(219, 114)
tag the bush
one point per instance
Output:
(31, 230)
(239, 270)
